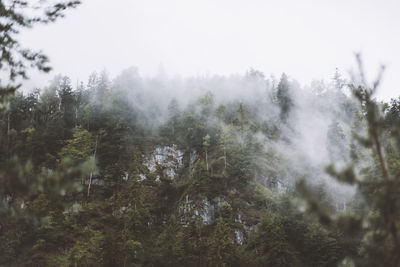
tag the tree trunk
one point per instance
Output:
(207, 160)
(76, 116)
(8, 124)
(8, 134)
(224, 158)
(190, 162)
(91, 173)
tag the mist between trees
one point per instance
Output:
(239, 170)
(201, 171)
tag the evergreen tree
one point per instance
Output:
(283, 95)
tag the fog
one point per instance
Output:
(235, 51)
(303, 145)
(199, 133)
(307, 39)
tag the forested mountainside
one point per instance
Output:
(188, 172)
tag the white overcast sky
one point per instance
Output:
(307, 39)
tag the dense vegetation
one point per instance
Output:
(207, 171)
(208, 183)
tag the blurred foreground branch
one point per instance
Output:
(375, 222)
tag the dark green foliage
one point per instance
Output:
(284, 97)
(90, 176)
(67, 102)
(15, 16)
(213, 212)
(373, 224)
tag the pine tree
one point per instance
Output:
(376, 222)
(284, 97)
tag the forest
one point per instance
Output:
(122, 174)
(212, 170)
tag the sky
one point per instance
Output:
(306, 39)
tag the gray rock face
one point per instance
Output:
(168, 159)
